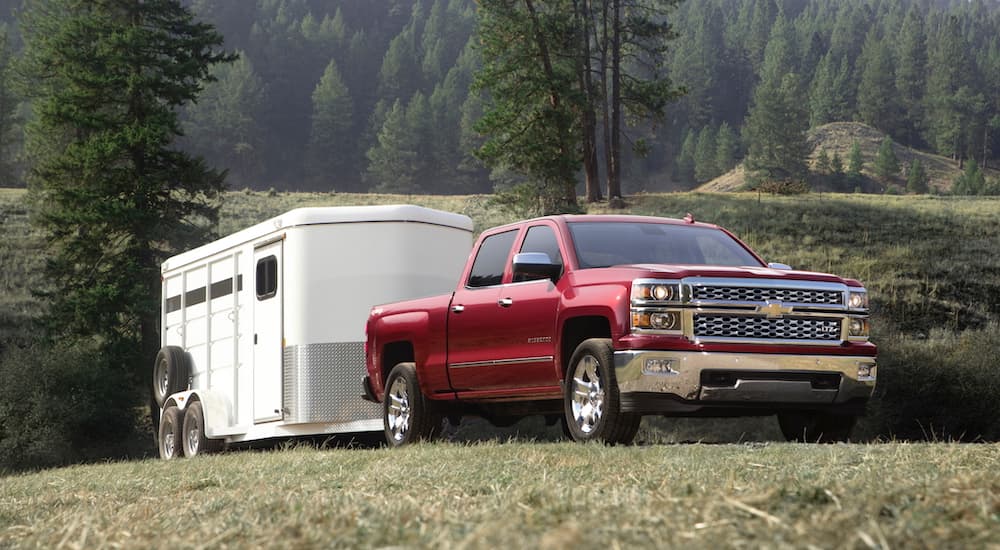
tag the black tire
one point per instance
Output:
(592, 405)
(171, 371)
(169, 440)
(816, 427)
(195, 441)
(407, 416)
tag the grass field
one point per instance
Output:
(521, 495)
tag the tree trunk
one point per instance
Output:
(605, 109)
(614, 165)
(588, 119)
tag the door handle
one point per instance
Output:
(505, 302)
(457, 309)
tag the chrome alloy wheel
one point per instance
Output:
(398, 412)
(169, 445)
(588, 394)
(193, 436)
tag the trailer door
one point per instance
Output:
(268, 333)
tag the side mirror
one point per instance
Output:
(535, 265)
(776, 265)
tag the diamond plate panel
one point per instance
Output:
(787, 328)
(753, 294)
(323, 384)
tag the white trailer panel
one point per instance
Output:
(272, 318)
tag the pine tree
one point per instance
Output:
(876, 92)
(911, 74)
(704, 155)
(886, 163)
(113, 197)
(855, 161)
(684, 165)
(823, 165)
(971, 182)
(916, 177)
(778, 121)
(11, 137)
(223, 126)
(390, 168)
(331, 140)
(837, 164)
(727, 149)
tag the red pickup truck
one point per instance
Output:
(599, 320)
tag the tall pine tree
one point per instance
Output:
(114, 197)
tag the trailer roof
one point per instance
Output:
(322, 215)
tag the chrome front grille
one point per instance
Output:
(757, 294)
(784, 328)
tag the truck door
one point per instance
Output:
(268, 333)
(504, 336)
(473, 341)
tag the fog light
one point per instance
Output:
(663, 321)
(659, 367)
(866, 372)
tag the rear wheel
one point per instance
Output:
(816, 427)
(169, 440)
(195, 440)
(170, 373)
(592, 403)
(408, 417)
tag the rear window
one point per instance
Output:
(604, 244)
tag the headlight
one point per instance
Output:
(857, 299)
(656, 291)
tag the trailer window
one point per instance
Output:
(267, 278)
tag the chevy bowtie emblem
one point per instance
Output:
(774, 310)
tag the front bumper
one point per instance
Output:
(719, 380)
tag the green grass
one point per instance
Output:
(521, 495)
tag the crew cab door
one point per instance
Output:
(508, 341)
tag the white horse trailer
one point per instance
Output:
(263, 330)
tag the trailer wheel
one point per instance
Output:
(170, 373)
(169, 440)
(195, 441)
(815, 427)
(592, 405)
(408, 417)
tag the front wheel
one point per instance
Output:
(591, 402)
(408, 417)
(815, 427)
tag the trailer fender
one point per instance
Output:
(179, 400)
(217, 410)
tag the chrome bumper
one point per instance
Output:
(751, 378)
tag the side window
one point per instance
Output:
(540, 238)
(267, 278)
(488, 268)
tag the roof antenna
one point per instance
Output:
(689, 218)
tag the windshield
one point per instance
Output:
(604, 244)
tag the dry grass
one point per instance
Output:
(521, 495)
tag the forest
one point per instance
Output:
(340, 95)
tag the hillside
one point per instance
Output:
(837, 138)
